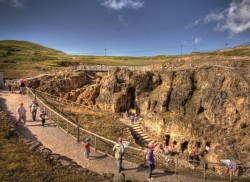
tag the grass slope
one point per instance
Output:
(20, 59)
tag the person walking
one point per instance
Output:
(9, 86)
(150, 159)
(22, 87)
(43, 117)
(119, 152)
(21, 113)
(86, 148)
(33, 109)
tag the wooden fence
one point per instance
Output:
(104, 68)
(79, 134)
(179, 164)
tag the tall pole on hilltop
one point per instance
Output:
(105, 51)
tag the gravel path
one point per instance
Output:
(59, 142)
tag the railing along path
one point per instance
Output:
(132, 153)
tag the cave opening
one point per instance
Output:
(184, 146)
(201, 110)
(167, 140)
(208, 144)
(131, 98)
(198, 144)
(174, 142)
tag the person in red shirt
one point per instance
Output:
(86, 148)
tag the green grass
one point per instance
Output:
(19, 58)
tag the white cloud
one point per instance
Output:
(190, 25)
(120, 4)
(197, 40)
(235, 19)
(14, 3)
(17, 3)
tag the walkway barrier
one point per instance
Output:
(66, 101)
(175, 164)
(105, 68)
(208, 170)
(99, 143)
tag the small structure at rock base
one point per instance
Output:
(1, 80)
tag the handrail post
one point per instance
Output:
(35, 93)
(57, 120)
(230, 173)
(204, 168)
(176, 166)
(67, 127)
(50, 114)
(78, 131)
(95, 143)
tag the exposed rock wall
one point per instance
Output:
(207, 105)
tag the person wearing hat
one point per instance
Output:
(119, 152)
(86, 148)
(150, 159)
(22, 87)
(21, 113)
(33, 109)
(43, 117)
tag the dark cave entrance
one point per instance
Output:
(198, 144)
(127, 101)
(184, 146)
(207, 144)
(131, 98)
(167, 140)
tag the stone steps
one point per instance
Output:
(140, 137)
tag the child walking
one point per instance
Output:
(86, 148)
(43, 116)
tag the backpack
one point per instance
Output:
(119, 151)
(33, 107)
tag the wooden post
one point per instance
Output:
(57, 120)
(35, 94)
(78, 130)
(176, 166)
(95, 143)
(230, 173)
(204, 169)
(50, 114)
(67, 127)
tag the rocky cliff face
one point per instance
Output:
(206, 106)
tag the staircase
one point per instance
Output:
(140, 137)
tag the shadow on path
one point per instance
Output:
(6, 108)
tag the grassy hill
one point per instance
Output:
(22, 59)
(17, 58)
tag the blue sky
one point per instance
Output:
(127, 27)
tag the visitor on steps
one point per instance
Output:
(162, 146)
(150, 159)
(86, 148)
(21, 113)
(132, 118)
(33, 109)
(119, 153)
(43, 117)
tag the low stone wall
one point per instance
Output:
(56, 160)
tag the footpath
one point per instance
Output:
(59, 142)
